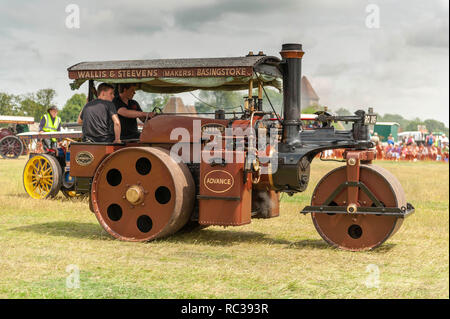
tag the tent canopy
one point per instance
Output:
(182, 75)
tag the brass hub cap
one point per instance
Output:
(135, 194)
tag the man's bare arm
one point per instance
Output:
(150, 115)
(116, 121)
(80, 121)
(131, 113)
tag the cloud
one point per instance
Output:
(196, 16)
(401, 67)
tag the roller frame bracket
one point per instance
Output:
(384, 211)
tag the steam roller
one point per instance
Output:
(190, 171)
(358, 210)
(141, 193)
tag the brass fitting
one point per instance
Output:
(351, 161)
(135, 194)
(352, 208)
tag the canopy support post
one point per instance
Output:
(92, 92)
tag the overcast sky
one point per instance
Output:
(400, 67)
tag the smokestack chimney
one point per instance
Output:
(292, 54)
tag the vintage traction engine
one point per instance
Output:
(175, 178)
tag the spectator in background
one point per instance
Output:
(444, 141)
(430, 140)
(388, 151)
(438, 143)
(397, 151)
(433, 153)
(375, 139)
(423, 152)
(404, 138)
(50, 122)
(410, 141)
(390, 140)
(445, 152)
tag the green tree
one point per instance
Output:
(435, 126)
(277, 101)
(395, 118)
(36, 104)
(30, 107)
(343, 112)
(148, 101)
(214, 100)
(311, 109)
(343, 125)
(412, 125)
(9, 104)
(73, 107)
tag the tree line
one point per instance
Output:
(405, 124)
(35, 105)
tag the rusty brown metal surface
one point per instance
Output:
(159, 128)
(97, 151)
(353, 231)
(353, 165)
(224, 199)
(364, 156)
(141, 193)
(5, 132)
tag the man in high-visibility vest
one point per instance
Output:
(50, 122)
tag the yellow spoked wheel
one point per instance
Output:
(42, 176)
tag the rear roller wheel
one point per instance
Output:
(42, 176)
(354, 231)
(11, 147)
(141, 193)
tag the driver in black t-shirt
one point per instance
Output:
(129, 110)
(99, 117)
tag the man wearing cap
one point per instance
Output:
(50, 122)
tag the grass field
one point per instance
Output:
(282, 257)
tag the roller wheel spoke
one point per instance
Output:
(42, 176)
(11, 147)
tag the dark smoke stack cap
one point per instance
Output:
(291, 47)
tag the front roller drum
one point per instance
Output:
(354, 231)
(141, 193)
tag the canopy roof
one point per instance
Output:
(16, 119)
(181, 75)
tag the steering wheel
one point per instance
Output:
(157, 110)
